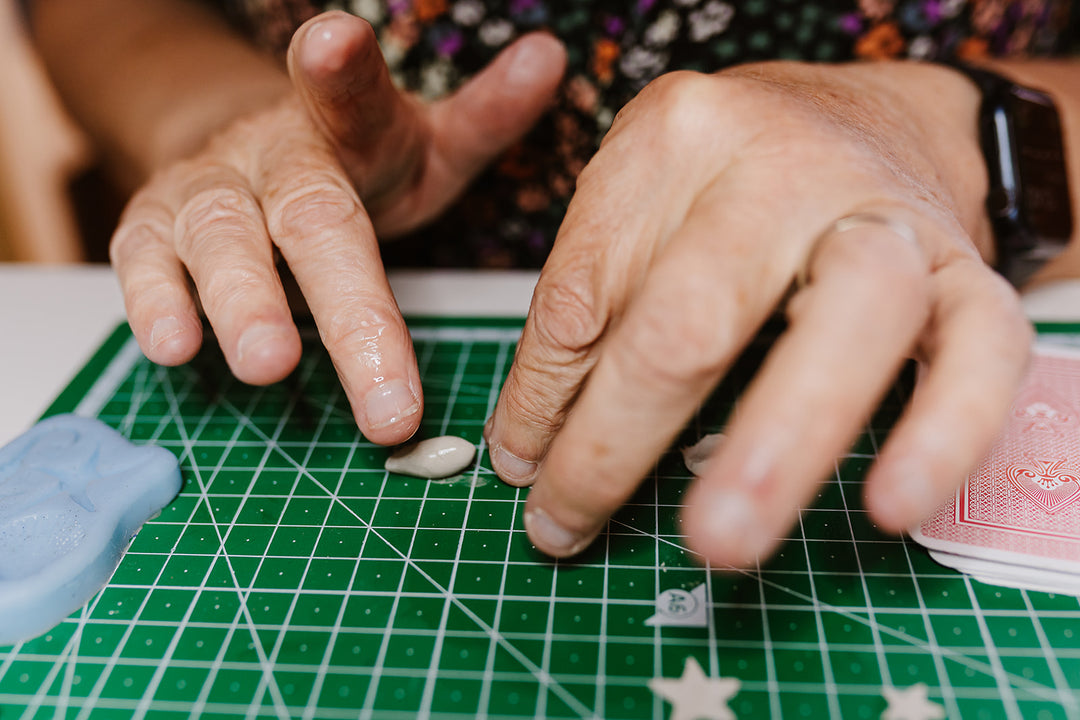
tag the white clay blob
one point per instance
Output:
(911, 703)
(436, 457)
(696, 457)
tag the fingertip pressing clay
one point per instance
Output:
(73, 492)
(436, 457)
(696, 457)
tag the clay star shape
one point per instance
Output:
(695, 696)
(911, 703)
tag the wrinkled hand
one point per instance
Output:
(707, 197)
(346, 157)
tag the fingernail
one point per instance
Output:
(734, 526)
(163, 329)
(319, 30)
(390, 402)
(551, 537)
(255, 338)
(511, 468)
(525, 64)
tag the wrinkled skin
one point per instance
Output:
(707, 198)
(315, 178)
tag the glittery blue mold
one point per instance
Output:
(73, 492)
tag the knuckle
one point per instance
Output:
(146, 288)
(527, 400)
(1017, 323)
(876, 263)
(1004, 301)
(680, 88)
(318, 203)
(566, 314)
(211, 213)
(893, 269)
(675, 105)
(230, 286)
(133, 237)
(360, 327)
(672, 345)
(145, 223)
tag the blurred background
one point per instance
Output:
(44, 161)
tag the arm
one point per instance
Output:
(151, 80)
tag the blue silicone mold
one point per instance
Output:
(73, 493)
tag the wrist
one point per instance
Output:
(160, 78)
(1061, 80)
(940, 107)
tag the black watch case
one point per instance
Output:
(1028, 201)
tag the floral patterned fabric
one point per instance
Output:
(510, 215)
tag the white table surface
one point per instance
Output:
(52, 318)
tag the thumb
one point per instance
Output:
(339, 73)
(499, 105)
(407, 160)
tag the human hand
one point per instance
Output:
(345, 158)
(705, 200)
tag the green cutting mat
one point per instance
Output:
(294, 578)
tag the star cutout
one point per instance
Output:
(695, 696)
(910, 703)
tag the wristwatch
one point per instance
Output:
(1028, 200)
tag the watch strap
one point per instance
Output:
(1025, 238)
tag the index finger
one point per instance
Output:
(317, 220)
(610, 233)
(675, 342)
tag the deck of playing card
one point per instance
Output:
(1016, 521)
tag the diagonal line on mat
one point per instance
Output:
(1038, 689)
(145, 701)
(948, 694)
(280, 707)
(66, 659)
(155, 680)
(39, 697)
(1008, 697)
(378, 667)
(94, 697)
(1067, 697)
(140, 393)
(276, 651)
(879, 648)
(9, 659)
(374, 678)
(64, 701)
(320, 675)
(428, 695)
(489, 662)
(542, 676)
(831, 694)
